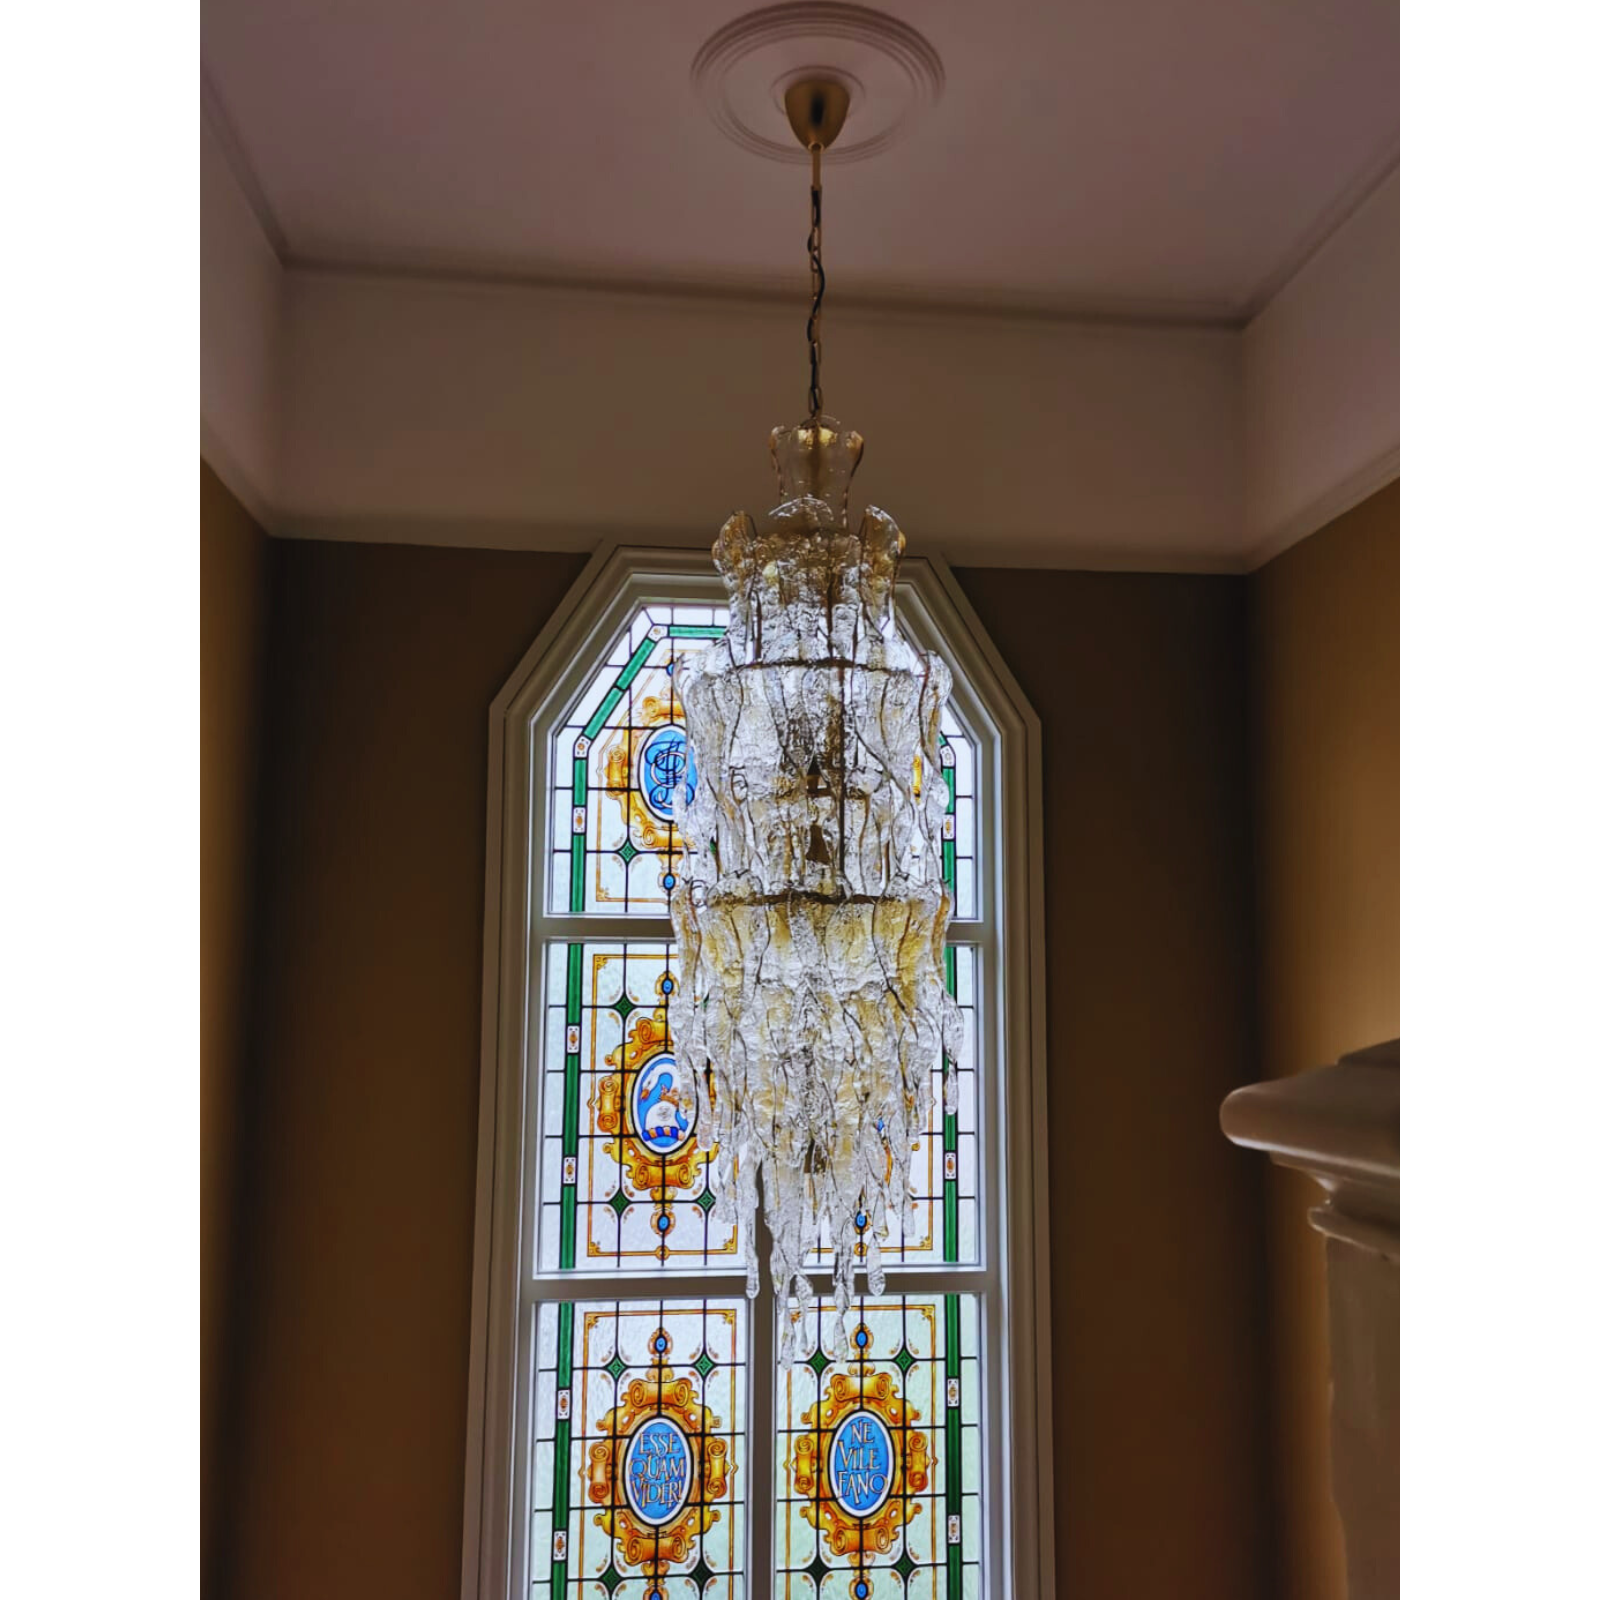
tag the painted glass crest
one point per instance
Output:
(639, 1449)
(879, 1454)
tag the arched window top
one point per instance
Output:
(627, 1184)
(608, 1270)
(620, 751)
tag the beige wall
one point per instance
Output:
(235, 571)
(363, 1121)
(1325, 677)
(358, 1249)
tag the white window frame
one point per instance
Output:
(1018, 1550)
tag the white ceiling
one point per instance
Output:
(1155, 157)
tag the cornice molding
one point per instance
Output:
(756, 290)
(1366, 183)
(511, 534)
(222, 461)
(215, 112)
(279, 514)
(488, 534)
(1344, 496)
(452, 270)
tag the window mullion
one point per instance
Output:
(763, 1500)
(546, 925)
(632, 1286)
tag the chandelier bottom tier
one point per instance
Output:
(811, 919)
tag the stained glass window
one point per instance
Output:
(624, 1182)
(880, 1463)
(618, 758)
(645, 1441)
(639, 1450)
(960, 820)
(621, 753)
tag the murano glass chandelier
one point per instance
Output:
(810, 921)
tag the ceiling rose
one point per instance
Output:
(744, 70)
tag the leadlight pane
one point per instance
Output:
(639, 1448)
(614, 765)
(879, 1454)
(944, 1175)
(960, 820)
(623, 1181)
(621, 752)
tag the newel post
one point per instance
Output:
(1341, 1124)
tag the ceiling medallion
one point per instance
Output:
(810, 921)
(744, 70)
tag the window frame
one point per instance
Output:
(1009, 934)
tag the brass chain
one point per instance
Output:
(819, 282)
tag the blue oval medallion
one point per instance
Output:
(666, 763)
(655, 1471)
(663, 1109)
(860, 1463)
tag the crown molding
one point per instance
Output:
(482, 533)
(239, 484)
(446, 272)
(888, 305)
(452, 270)
(1344, 496)
(215, 112)
(1368, 180)
(222, 461)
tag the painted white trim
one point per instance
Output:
(410, 403)
(1341, 498)
(241, 336)
(215, 112)
(215, 453)
(1338, 212)
(446, 267)
(974, 550)
(447, 270)
(1009, 932)
(1321, 382)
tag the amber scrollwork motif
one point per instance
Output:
(658, 1469)
(860, 1465)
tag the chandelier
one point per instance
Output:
(812, 1006)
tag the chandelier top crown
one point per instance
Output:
(815, 461)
